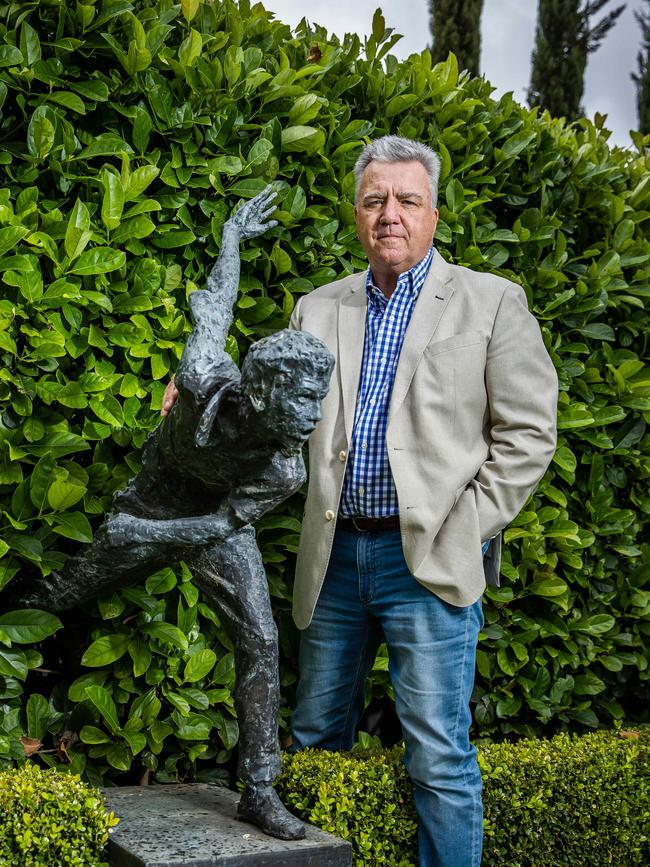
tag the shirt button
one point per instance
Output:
(362, 490)
(342, 456)
(364, 446)
(329, 515)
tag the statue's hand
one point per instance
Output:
(252, 219)
(122, 529)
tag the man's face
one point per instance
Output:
(293, 408)
(395, 220)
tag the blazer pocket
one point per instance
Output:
(458, 341)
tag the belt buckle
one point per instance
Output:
(356, 526)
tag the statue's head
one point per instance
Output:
(286, 376)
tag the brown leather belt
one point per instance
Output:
(369, 525)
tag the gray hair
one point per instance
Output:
(395, 149)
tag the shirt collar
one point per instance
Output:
(409, 282)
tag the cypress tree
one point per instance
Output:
(642, 79)
(563, 42)
(456, 26)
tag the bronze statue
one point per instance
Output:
(229, 451)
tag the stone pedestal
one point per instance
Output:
(194, 825)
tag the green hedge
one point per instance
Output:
(565, 802)
(130, 130)
(49, 819)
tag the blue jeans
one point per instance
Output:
(368, 595)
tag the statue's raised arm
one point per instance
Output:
(211, 308)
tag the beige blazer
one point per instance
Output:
(471, 426)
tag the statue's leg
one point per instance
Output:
(97, 569)
(233, 579)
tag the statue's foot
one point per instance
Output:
(261, 805)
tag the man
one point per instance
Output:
(229, 452)
(439, 423)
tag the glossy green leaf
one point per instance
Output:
(73, 525)
(142, 128)
(68, 100)
(29, 626)
(38, 716)
(77, 689)
(118, 757)
(139, 180)
(190, 8)
(302, 139)
(10, 236)
(99, 260)
(78, 231)
(199, 665)
(594, 624)
(93, 735)
(13, 663)
(106, 649)
(112, 206)
(41, 132)
(10, 56)
(549, 587)
(101, 699)
(295, 202)
(193, 727)
(62, 495)
(167, 633)
(190, 48)
(30, 44)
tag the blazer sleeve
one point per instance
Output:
(522, 389)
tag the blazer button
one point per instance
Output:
(329, 515)
(342, 456)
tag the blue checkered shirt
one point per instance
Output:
(368, 488)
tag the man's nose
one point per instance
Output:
(390, 211)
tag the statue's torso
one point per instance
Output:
(179, 478)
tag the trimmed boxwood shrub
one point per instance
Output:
(50, 819)
(565, 802)
(130, 128)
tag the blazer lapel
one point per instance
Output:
(429, 307)
(351, 335)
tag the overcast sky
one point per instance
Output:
(508, 31)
